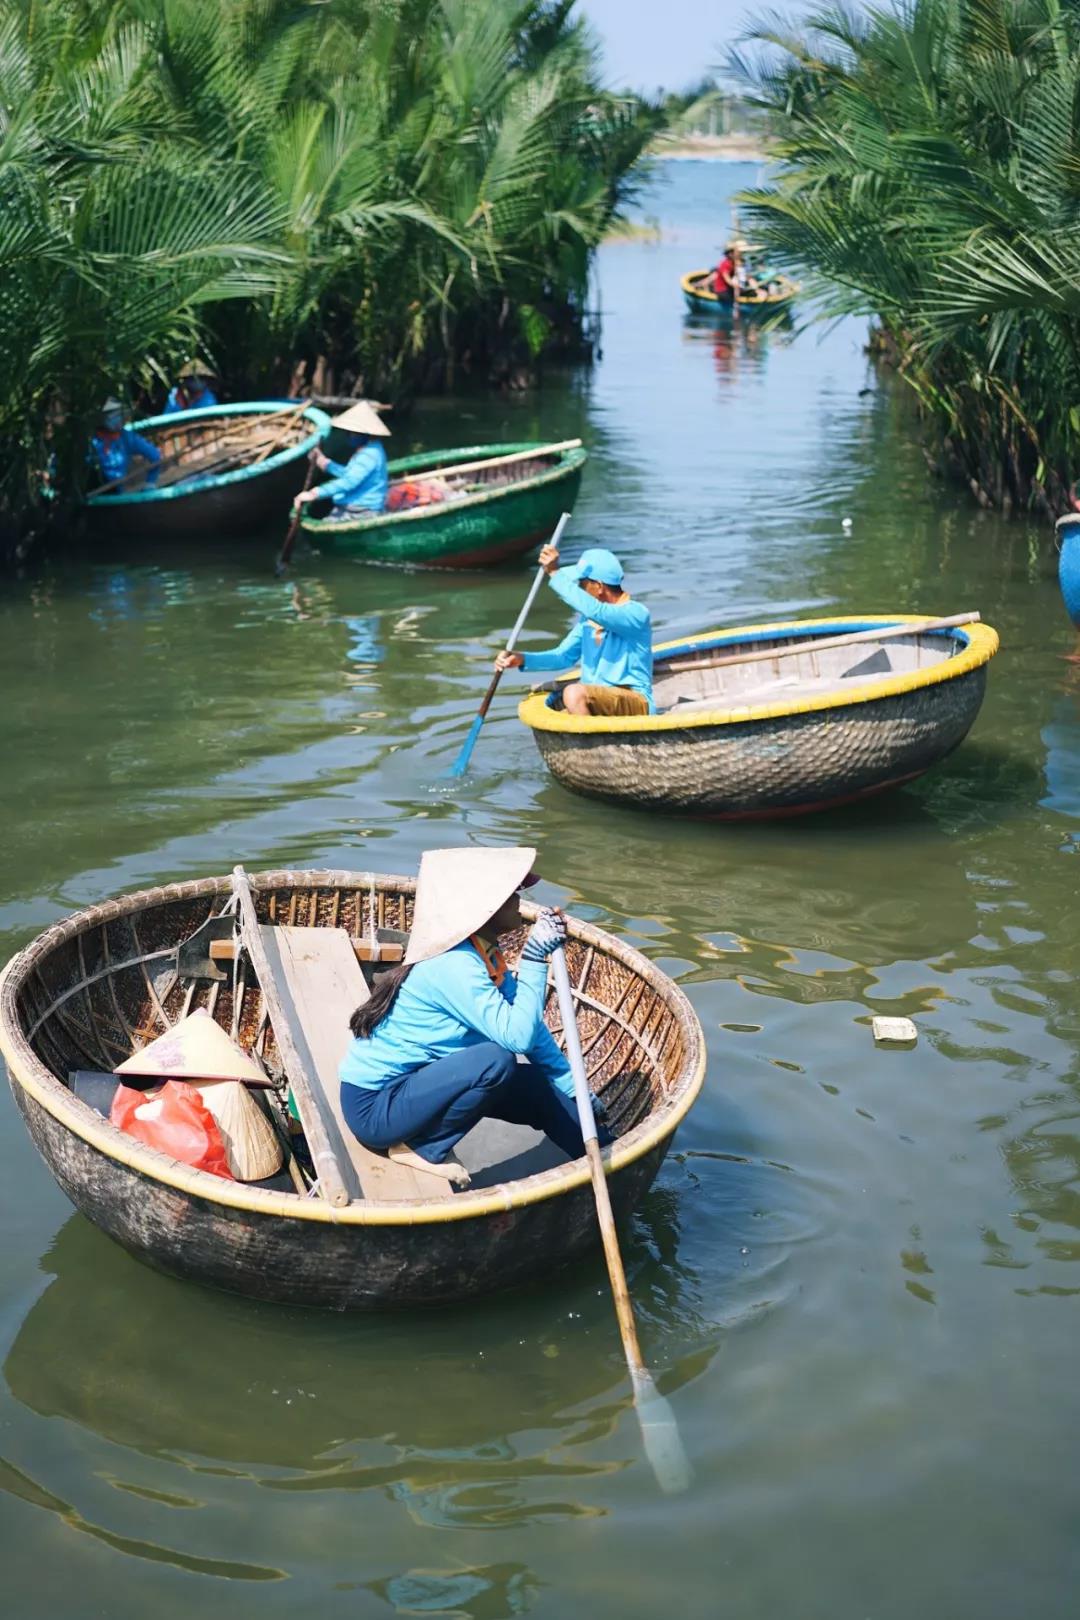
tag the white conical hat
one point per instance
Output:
(362, 418)
(252, 1151)
(458, 890)
(194, 1049)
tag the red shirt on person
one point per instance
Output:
(724, 277)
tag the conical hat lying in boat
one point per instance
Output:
(251, 1148)
(362, 418)
(194, 1049)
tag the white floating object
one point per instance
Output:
(889, 1031)
(845, 523)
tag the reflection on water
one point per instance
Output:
(855, 1274)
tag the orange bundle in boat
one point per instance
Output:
(415, 492)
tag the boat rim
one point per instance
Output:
(569, 461)
(204, 481)
(692, 276)
(26, 1069)
(980, 643)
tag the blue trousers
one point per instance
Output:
(434, 1107)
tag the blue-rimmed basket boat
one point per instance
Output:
(499, 511)
(774, 302)
(777, 737)
(92, 988)
(227, 469)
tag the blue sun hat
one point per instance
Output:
(600, 564)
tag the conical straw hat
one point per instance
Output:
(458, 890)
(251, 1148)
(197, 368)
(362, 418)
(194, 1049)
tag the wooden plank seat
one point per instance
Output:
(320, 984)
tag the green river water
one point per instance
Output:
(859, 1271)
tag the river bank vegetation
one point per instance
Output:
(929, 176)
(352, 194)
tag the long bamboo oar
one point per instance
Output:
(915, 628)
(290, 536)
(461, 764)
(659, 1430)
(448, 470)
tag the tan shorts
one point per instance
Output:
(614, 700)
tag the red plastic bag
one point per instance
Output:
(181, 1125)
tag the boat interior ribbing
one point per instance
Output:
(121, 980)
(697, 680)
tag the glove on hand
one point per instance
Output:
(547, 933)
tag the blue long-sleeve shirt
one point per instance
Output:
(362, 481)
(612, 641)
(448, 1004)
(116, 451)
(177, 402)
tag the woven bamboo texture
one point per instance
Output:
(104, 982)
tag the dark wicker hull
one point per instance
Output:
(787, 766)
(295, 1262)
(248, 508)
(95, 986)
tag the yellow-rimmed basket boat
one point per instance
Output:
(775, 301)
(777, 737)
(94, 987)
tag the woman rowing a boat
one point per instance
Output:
(361, 483)
(436, 1047)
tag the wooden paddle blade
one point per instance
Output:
(661, 1438)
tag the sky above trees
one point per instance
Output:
(648, 46)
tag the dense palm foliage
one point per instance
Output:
(930, 176)
(355, 193)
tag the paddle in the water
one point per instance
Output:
(461, 764)
(659, 1430)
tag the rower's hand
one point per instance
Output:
(549, 558)
(508, 660)
(547, 933)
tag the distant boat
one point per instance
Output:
(776, 298)
(226, 469)
(464, 508)
(745, 730)
(1068, 533)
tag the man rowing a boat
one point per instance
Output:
(192, 392)
(611, 640)
(435, 1047)
(115, 446)
(361, 483)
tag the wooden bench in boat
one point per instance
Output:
(320, 985)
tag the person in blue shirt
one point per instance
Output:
(436, 1047)
(193, 391)
(115, 447)
(361, 483)
(611, 639)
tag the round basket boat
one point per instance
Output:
(106, 981)
(761, 305)
(470, 519)
(777, 737)
(227, 469)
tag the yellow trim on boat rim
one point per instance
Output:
(982, 644)
(99, 1133)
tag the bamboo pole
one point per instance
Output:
(494, 461)
(916, 629)
(659, 1430)
(331, 1181)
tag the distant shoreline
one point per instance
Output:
(714, 148)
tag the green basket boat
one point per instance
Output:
(464, 508)
(757, 306)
